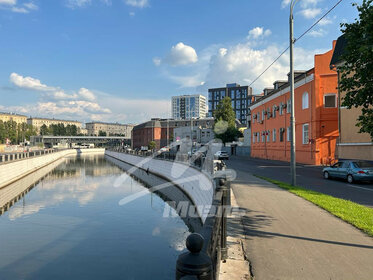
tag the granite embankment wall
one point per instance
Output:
(196, 184)
(15, 170)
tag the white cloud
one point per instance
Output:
(20, 10)
(327, 21)
(157, 61)
(137, 3)
(284, 3)
(317, 33)
(258, 32)
(87, 94)
(77, 3)
(8, 2)
(31, 6)
(310, 13)
(29, 83)
(181, 54)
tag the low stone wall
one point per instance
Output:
(196, 184)
(15, 170)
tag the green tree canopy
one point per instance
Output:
(151, 145)
(357, 70)
(225, 128)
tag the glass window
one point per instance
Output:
(274, 135)
(274, 111)
(258, 137)
(281, 109)
(238, 104)
(305, 134)
(268, 135)
(288, 133)
(305, 100)
(288, 106)
(222, 93)
(281, 135)
(238, 94)
(253, 138)
(263, 136)
(330, 101)
(233, 104)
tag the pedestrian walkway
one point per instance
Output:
(287, 237)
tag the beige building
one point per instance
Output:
(351, 143)
(111, 129)
(39, 122)
(5, 117)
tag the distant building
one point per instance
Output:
(188, 106)
(111, 129)
(161, 131)
(37, 123)
(5, 117)
(241, 98)
(316, 115)
(351, 144)
(199, 135)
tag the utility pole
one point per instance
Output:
(292, 117)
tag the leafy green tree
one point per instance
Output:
(357, 71)
(151, 145)
(44, 130)
(225, 112)
(102, 133)
(225, 128)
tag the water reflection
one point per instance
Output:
(70, 226)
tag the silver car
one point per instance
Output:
(350, 170)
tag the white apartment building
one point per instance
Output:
(189, 106)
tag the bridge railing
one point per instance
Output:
(206, 249)
(8, 157)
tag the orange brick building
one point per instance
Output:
(316, 116)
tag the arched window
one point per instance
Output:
(305, 100)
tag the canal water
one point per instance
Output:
(71, 226)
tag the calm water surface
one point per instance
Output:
(70, 226)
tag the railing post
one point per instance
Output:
(194, 264)
(224, 186)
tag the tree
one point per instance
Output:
(357, 71)
(225, 112)
(101, 133)
(44, 130)
(151, 145)
(225, 128)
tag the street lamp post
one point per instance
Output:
(292, 117)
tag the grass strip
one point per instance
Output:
(356, 214)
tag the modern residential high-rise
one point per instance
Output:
(189, 106)
(241, 98)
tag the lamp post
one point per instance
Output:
(292, 117)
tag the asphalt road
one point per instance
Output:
(309, 177)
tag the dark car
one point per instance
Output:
(350, 170)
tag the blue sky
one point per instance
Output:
(122, 60)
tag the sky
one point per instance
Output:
(123, 60)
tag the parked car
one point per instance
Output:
(221, 155)
(350, 170)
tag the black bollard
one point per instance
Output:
(194, 263)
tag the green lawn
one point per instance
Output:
(356, 214)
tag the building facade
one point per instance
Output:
(161, 131)
(111, 129)
(316, 116)
(188, 106)
(241, 99)
(197, 134)
(351, 144)
(39, 122)
(19, 119)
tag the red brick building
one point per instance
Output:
(316, 116)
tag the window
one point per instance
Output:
(281, 109)
(305, 134)
(263, 137)
(268, 135)
(258, 137)
(305, 100)
(263, 115)
(330, 101)
(288, 134)
(274, 111)
(274, 135)
(281, 134)
(288, 106)
(253, 138)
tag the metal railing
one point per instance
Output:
(8, 157)
(206, 249)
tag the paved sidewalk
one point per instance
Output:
(288, 237)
